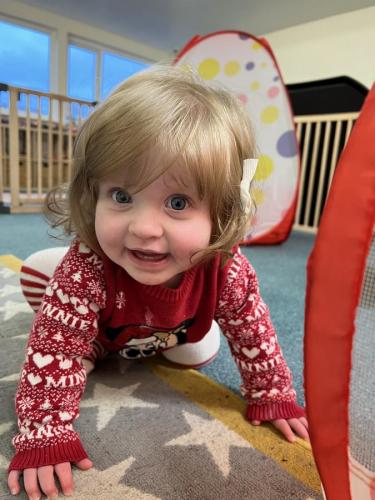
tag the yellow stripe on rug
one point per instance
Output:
(11, 262)
(222, 404)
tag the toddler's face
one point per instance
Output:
(154, 233)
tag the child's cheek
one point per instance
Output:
(105, 227)
(189, 240)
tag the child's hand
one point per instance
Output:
(45, 477)
(290, 427)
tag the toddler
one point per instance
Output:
(159, 200)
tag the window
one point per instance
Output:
(116, 68)
(81, 73)
(93, 71)
(24, 57)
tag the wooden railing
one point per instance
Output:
(38, 129)
(37, 132)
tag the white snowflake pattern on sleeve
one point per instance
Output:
(53, 377)
(245, 321)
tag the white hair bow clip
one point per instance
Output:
(249, 168)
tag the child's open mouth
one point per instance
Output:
(147, 256)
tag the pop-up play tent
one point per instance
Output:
(340, 323)
(246, 66)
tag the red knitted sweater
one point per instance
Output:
(89, 298)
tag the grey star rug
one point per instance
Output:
(155, 431)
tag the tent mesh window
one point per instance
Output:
(362, 386)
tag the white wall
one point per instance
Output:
(335, 46)
(62, 28)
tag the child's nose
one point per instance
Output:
(145, 224)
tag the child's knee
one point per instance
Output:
(36, 271)
(88, 365)
(196, 354)
(45, 261)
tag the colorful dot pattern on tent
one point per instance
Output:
(246, 67)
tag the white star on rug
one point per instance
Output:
(4, 462)
(6, 273)
(95, 483)
(14, 377)
(9, 290)
(215, 436)
(21, 336)
(11, 308)
(108, 400)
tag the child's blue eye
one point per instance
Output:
(177, 203)
(120, 196)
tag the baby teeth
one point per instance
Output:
(149, 256)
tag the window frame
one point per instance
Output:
(87, 47)
(52, 33)
(99, 49)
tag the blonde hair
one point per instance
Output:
(153, 120)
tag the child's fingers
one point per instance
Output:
(255, 422)
(299, 427)
(304, 421)
(64, 473)
(47, 481)
(84, 464)
(283, 426)
(13, 482)
(30, 481)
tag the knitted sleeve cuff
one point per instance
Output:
(273, 411)
(72, 451)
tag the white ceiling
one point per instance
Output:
(169, 24)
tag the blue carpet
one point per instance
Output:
(23, 234)
(281, 271)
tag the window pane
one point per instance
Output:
(24, 57)
(115, 69)
(81, 73)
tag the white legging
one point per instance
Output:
(38, 269)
